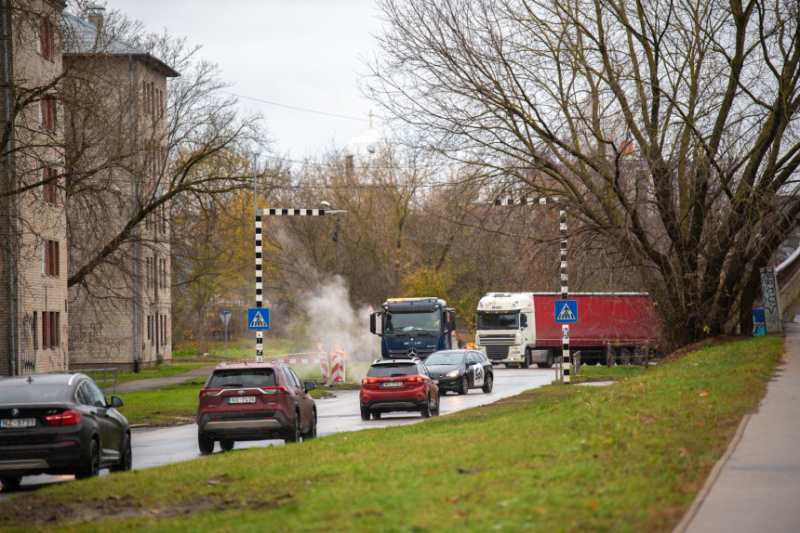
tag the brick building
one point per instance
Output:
(108, 128)
(33, 282)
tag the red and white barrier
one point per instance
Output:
(338, 357)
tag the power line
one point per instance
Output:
(296, 108)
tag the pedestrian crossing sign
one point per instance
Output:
(258, 318)
(566, 311)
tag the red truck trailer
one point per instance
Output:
(520, 329)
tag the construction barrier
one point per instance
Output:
(338, 357)
(331, 365)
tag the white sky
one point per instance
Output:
(298, 53)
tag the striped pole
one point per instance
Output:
(259, 279)
(565, 360)
(259, 289)
(564, 295)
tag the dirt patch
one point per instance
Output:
(37, 510)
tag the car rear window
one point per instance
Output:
(393, 370)
(243, 378)
(23, 392)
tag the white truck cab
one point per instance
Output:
(506, 330)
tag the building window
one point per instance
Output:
(50, 325)
(149, 327)
(49, 188)
(44, 43)
(50, 258)
(47, 113)
(35, 326)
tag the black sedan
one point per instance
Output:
(460, 370)
(59, 424)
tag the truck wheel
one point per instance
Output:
(549, 362)
(526, 361)
(625, 356)
(464, 388)
(638, 356)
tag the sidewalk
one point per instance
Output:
(756, 485)
(156, 383)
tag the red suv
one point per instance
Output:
(398, 385)
(254, 401)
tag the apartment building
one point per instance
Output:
(77, 104)
(122, 310)
(33, 282)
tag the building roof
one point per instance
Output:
(81, 38)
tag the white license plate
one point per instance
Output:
(17, 423)
(242, 399)
(392, 383)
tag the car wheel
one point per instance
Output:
(294, 434)
(464, 386)
(376, 415)
(11, 482)
(425, 410)
(364, 413)
(488, 383)
(226, 445)
(126, 460)
(205, 443)
(312, 431)
(92, 466)
(526, 361)
(438, 405)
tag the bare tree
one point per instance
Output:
(668, 129)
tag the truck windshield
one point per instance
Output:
(414, 323)
(504, 320)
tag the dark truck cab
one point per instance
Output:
(414, 327)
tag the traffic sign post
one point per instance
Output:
(225, 316)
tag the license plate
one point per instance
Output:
(392, 383)
(242, 399)
(12, 423)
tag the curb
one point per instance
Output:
(712, 478)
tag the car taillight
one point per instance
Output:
(368, 380)
(205, 393)
(415, 378)
(66, 418)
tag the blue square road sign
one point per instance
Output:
(566, 311)
(258, 318)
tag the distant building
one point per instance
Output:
(122, 312)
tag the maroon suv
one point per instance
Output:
(254, 401)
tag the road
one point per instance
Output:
(162, 446)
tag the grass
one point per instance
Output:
(627, 457)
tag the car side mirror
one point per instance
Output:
(116, 401)
(523, 321)
(309, 386)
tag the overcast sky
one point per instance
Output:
(298, 53)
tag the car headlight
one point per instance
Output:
(453, 374)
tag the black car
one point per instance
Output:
(59, 424)
(461, 370)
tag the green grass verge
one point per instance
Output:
(627, 457)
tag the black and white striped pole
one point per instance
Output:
(565, 360)
(565, 366)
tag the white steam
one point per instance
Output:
(333, 322)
